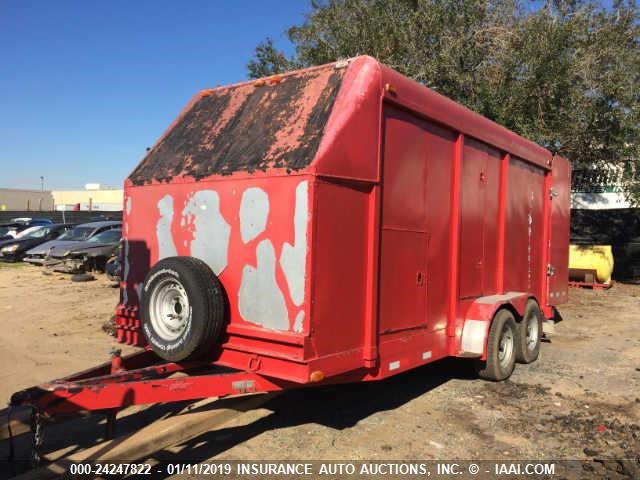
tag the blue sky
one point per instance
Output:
(86, 86)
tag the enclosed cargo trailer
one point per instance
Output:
(334, 224)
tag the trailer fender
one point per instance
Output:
(473, 342)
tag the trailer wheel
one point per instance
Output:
(501, 348)
(529, 334)
(183, 308)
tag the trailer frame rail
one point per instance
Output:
(141, 378)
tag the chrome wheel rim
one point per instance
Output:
(169, 309)
(506, 347)
(532, 333)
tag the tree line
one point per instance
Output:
(563, 73)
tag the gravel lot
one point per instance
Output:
(581, 400)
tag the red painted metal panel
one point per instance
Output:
(544, 239)
(404, 172)
(479, 219)
(502, 208)
(404, 221)
(403, 249)
(339, 268)
(403, 291)
(472, 210)
(441, 144)
(171, 219)
(490, 226)
(429, 104)
(559, 232)
(370, 350)
(349, 146)
(453, 319)
(408, 349)
(524, 220)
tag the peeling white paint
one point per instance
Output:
(426, 355)
(260, 300)
(297, 324)
(254, 211)
(166, 247)
(128, 205)
(293, 257)
(394, 365)
(211, 231)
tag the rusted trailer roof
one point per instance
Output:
(326, 118)
(277, 122)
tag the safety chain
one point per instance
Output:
(37, 427)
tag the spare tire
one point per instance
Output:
(183, 308)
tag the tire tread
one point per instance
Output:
(490, 368)
(212, 300)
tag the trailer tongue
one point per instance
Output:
(142, 379)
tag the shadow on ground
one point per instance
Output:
(334, 406)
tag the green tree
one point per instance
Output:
(565, 74)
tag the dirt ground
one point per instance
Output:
(51, 326)
(580, 400)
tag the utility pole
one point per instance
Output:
(41, 183)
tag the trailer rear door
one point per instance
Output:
(559, 234)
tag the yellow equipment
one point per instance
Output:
(590, 263)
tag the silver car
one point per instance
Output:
(39, 254)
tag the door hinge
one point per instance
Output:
(550, 270)
(553, 193)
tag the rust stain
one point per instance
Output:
(214, 125)
(246, 128)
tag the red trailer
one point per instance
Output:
(335, 224)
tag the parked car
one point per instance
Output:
(12, 228)
(15, 249)
(8, 230)
(33, 221)
(113, 267)
(86, 256)
(70, 239)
